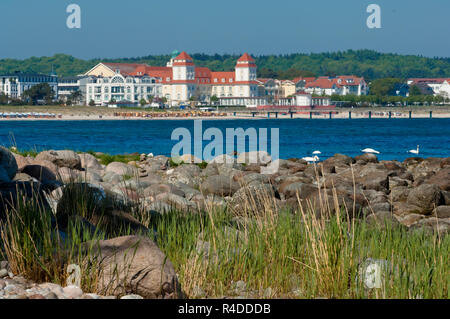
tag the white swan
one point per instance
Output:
(416, 151)
(311, 159)
(370, 150)
(317, 152)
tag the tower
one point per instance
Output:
(245, 75)
(183, 75)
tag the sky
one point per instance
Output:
(133, 28)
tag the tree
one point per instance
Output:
(384, 87)
(143, 102)
(3, 99)
(214, 99)
(414, 90)
(38, 92)
(91, 103)
(76, 96)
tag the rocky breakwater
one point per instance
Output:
(414, 193)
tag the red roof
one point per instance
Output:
(246, 58)
(348, 80)
(124, 68)
(222, 78)
(183, 56)
(321, 82)
(428, 80)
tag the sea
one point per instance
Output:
(296, 137)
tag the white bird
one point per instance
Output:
(416, 151)
(317, 152)
(311, 159)
(370, 150)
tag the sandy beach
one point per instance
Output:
(99, 113)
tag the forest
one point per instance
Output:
(370, 64)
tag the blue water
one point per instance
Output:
(298, 137)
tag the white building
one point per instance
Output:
(13, 85)
(440, 86)
(69, 85)
(341, 85)
(179, 82)
(121, 82)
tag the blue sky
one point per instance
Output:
(118, 28)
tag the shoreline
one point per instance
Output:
(344, 116)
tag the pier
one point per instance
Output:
(333, 114)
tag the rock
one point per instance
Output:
(425, 196)
(90, 162)
(411, 219)
(382, 218)
(72, 292)
(3, 273)
(223, 159)
(67, 175)
(432, 225)
(159, 207)
(132, 297)
(64, 158)
(176, 202)
(94, 202)
(254, 199)
(8, 165)
(22, 177)
(254, 157)
(441, 179)
(219, 185)
(121, 169)
(441, 212)
(445, 163)
(21, 161)
(156, 189)
(446, 196)
(399, 194)
(297, 189)
(366, 158)
(135, 265)
(41, 173)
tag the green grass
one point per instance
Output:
(106, 159)
(293, 253)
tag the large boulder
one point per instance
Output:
(8, 165)
(441, 179)
(121, 169)
(41, 173)
(63, 158)
(21, 160)
(299, 189)
(219, 185)
(135, 265)
(442, 212)
(425, 196)
(90, 162)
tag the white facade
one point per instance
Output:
(15, 84)
(103, 90)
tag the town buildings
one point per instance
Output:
(438, 86)
(13, 85)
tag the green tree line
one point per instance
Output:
(367, 63)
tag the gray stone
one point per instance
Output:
(8, 165)
(425, 196)
(132, 297)
(63, 158)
